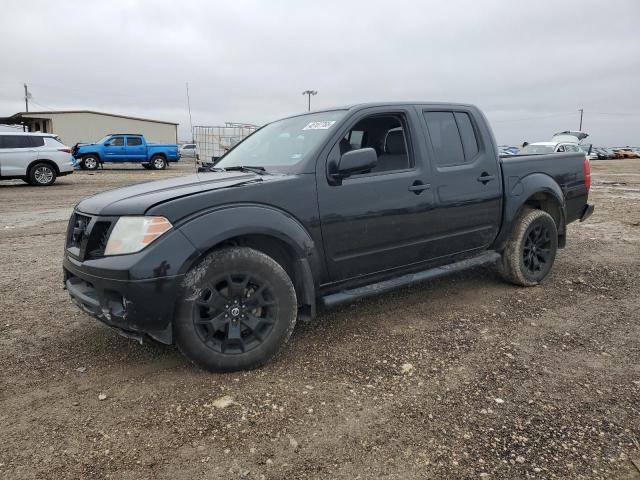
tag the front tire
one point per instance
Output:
(237, 311)
(89, 162)
(42, 175)
(530, 252)
(158, 162)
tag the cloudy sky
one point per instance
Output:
(529, 64)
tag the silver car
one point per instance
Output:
(36, 158)
(188, 150)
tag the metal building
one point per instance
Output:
(74, 126)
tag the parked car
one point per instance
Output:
(317, 210)
(125, 147)
(604, 153)
(541, 148)
(36, 158)
(188, 150)
(625, 153)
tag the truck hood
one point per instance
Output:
(137, 199)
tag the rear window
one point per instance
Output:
(20, 141)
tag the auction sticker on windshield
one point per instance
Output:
(319, 125)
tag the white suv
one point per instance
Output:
(36, 158)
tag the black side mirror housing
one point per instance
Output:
(356, 161)
(106, 144)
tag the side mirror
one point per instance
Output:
(356, 161)
(107, 144)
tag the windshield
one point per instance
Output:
(283, 143)
(103, 139)
(537, 149)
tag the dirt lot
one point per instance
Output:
(498, 381)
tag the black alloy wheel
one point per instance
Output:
(234, 313)
(536, 253)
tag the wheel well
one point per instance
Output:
(277, 249)
(43, 160)
(159, 155)
(549, 204)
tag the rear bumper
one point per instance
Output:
(587, 211)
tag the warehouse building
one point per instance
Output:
(75, 126)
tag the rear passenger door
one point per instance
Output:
(466, 179)
(136, 150)
(17, 152)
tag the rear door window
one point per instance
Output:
(36, 141)
(20, 141)
(445, 138)
(134, 141)
(468, 135)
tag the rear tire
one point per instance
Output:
(237, 311)
(158, 162)
(42, 175)
(531, 250)
(90, 162)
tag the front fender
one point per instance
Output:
(518, 191)
(209, 229)
(82, 152)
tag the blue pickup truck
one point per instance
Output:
(125, 147)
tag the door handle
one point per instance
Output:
(417, 187)
(485, 177)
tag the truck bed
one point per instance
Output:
(565, 168)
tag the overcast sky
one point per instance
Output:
(529, 64)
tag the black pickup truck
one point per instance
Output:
(316, 210)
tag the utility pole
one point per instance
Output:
(581, 112)
(26, 98)
(189, 107)
(309, 93)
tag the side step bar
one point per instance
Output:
(346, 296)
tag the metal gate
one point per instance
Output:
(213, 142)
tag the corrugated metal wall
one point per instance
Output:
(88, 127)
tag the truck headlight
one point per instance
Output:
(132, 234)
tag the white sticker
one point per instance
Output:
(319, 125)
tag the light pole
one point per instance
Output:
(309, 93)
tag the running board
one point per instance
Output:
(346, 296)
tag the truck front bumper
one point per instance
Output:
(135, 293)
(587, 211)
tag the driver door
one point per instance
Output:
(378, 220)
(114, 149)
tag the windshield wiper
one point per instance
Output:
(247, 168)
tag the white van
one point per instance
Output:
(36, 158)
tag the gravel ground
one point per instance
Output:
(464, 377)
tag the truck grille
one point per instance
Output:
(87, 236)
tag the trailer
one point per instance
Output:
(212, 142)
